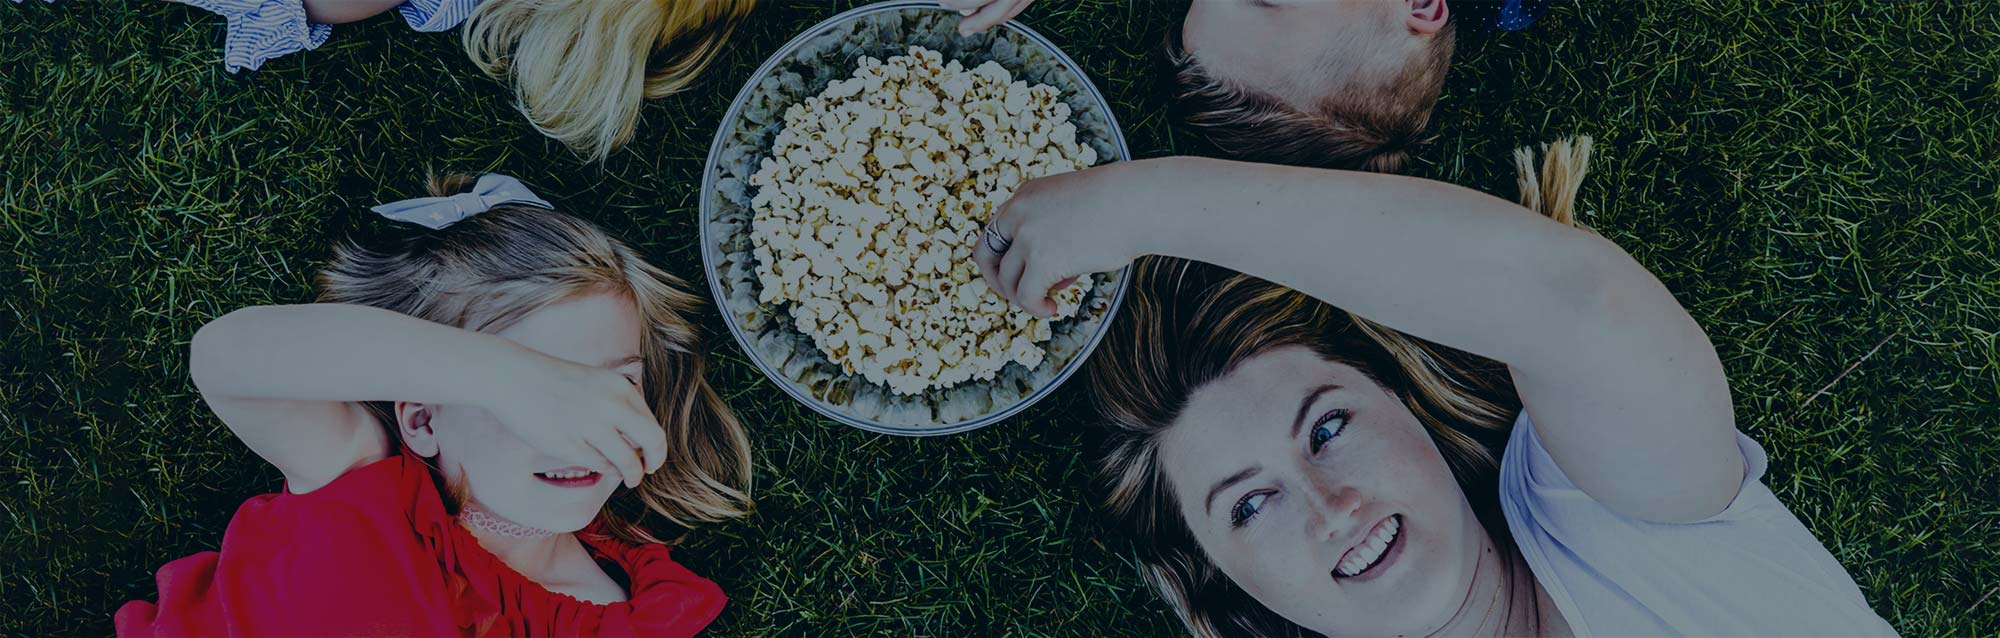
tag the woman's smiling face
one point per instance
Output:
(1323, 497)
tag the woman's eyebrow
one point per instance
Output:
(1208, 506)
(622, 362)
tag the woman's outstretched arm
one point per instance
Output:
(1625, 389)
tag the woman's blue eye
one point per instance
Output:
(1328, 426)
(1246, 508)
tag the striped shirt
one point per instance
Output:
(259, 30)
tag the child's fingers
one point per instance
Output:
(651, 439)
(963, 6)
(620, 454)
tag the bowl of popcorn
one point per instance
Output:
(845, 191)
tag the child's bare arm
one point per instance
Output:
(288, 381)
(1626, 390)
(344, 11)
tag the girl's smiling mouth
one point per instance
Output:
(570, 477)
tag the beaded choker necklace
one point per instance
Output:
(472, 516)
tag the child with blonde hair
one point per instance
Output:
(485, 428)
(580, 68)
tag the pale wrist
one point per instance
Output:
(502, 372)
(1172, 210)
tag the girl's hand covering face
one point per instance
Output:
(1060, 227)
(981, 15)
(593, 417)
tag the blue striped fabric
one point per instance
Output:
(263, 29)
(436, 15)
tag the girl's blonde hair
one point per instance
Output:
(1187, 324)
(488, 271)
(582, 68)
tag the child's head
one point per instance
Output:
(1329, 83)
(582, 68)
(558, 285)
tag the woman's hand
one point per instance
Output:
(981, 15)
(1060, 227)
(592, 417)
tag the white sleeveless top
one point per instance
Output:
(1751, 570)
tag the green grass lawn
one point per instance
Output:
(1817, 181)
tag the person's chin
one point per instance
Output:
(565, 515)
(568, 521)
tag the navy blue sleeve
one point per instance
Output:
(1497, 15)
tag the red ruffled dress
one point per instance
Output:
(374, 553)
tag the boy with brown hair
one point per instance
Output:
(1328, 83)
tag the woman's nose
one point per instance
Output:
(1335, 507)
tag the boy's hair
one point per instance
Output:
(488, 271)
(583, 68)
(1372, 127)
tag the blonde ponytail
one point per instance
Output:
(1551, 191)
(581, 69)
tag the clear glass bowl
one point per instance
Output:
(830, 51)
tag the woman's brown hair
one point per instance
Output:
(1187, 324)
(488, 271)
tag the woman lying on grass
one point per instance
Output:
(474, 425)
(1286, 468)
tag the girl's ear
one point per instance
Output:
(413, 424)
(1427, 16)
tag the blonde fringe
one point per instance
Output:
(1552, 190)
(582, 69)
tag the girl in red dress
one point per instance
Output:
(479, 425)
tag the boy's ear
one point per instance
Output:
(413, 424)
(1427, 16)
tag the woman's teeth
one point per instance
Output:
(567, 474)
(1361, 558)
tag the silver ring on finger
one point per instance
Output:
(996, 242)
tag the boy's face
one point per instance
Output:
(1304, 50)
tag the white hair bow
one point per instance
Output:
(493, 189)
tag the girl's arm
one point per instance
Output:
(1627, 393)
(344, 11)
(288, 380)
